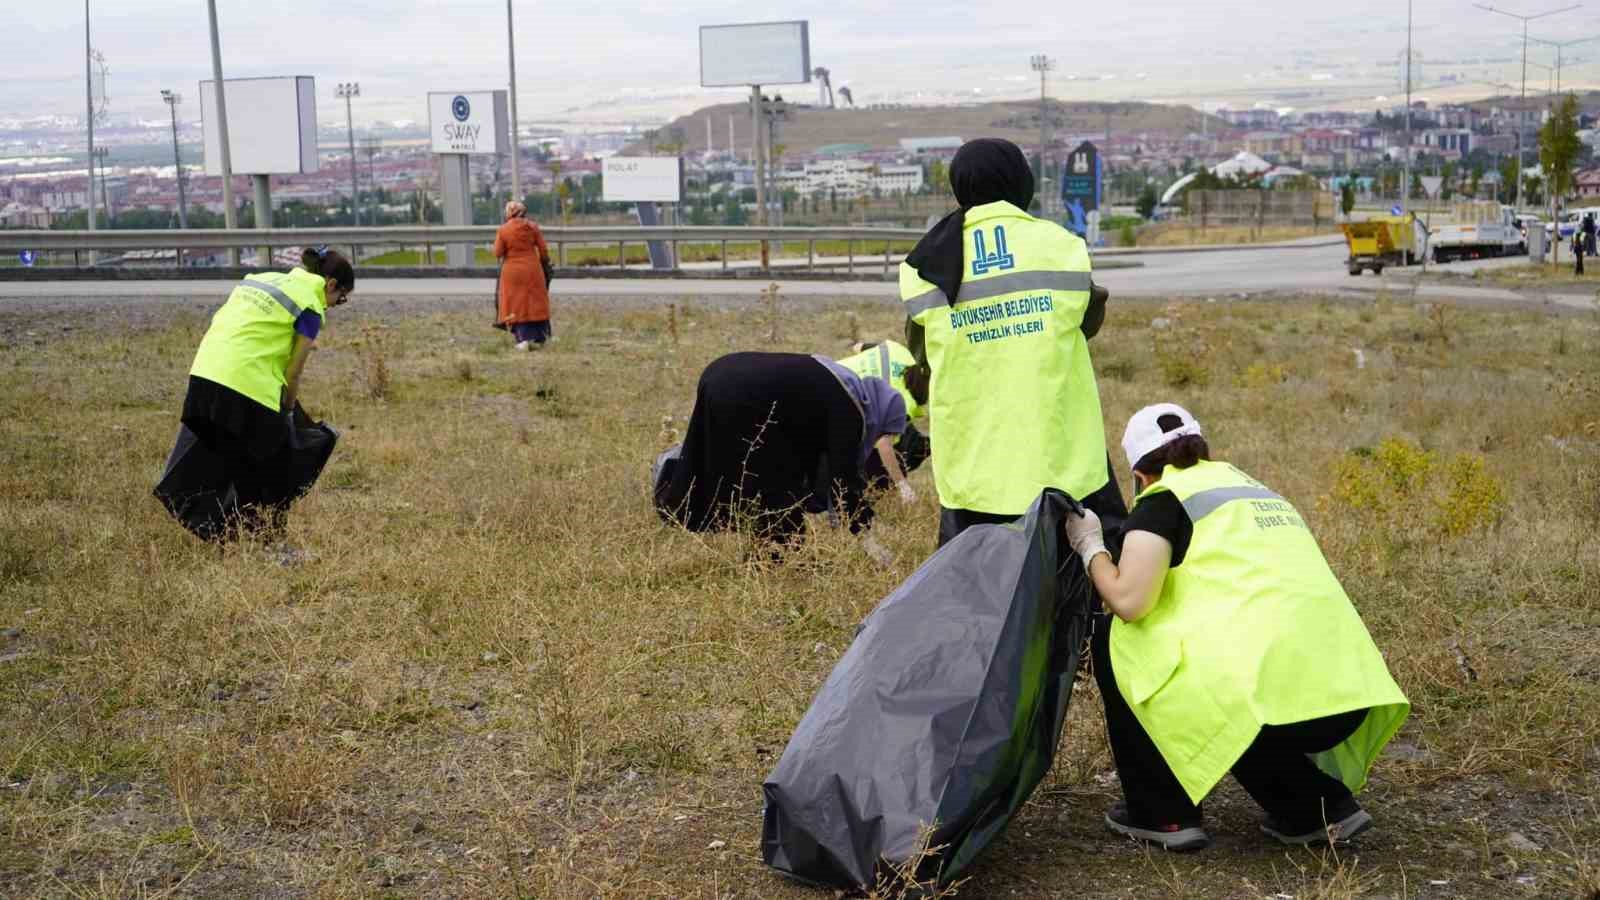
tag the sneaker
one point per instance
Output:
(1335, 832)
(1179, 838)
(524, 346)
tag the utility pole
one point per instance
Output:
(516, 162)
(1042, 64)
(756, 112)
(1522, 110)
(172, 100)
(88, 91)
(100, 154)
(229, 214)
(345, 91)
(1405, 180)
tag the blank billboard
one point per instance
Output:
(272, 125)
(641, 179)
(757, 53)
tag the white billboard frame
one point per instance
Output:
(754, 53)
(641, 179)
(272, 125)
(484, 109)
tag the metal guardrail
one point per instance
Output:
(91, 244)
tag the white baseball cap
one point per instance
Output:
(1144, 435)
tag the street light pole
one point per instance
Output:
(1522, 111)
(172, 100)
(88, 91)
(1560, 46)
(345, 91)
(1405, 187)
(516, 162)
(1042, 64)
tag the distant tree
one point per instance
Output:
(1508, 178)
(1559, 146)
(938, 177)
(1475, 180)
(1347, 197)
(1148, 201)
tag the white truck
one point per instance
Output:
(1476, 231)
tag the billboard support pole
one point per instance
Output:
(457, 190)
(230, 216)
(263, 186)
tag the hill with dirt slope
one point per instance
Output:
(810, 128)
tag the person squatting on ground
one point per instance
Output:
(523, 294)
(773, 434)
(1000, 307)
(901, 454)
(1232, 647)
(245, 381)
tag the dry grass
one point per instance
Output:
(503, 677)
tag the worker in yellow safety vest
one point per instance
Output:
(1000, 307)
(897, 455)
(245, 380)
(1233, 649)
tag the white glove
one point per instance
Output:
(1085, 535)
(879, 553)
(908, 495)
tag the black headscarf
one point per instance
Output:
(983, 171)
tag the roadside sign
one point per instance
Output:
(1395, 210)
(27, 257)
(1431, 184)
(1081, 185)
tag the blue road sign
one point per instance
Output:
(1395, 210)
(27, 257)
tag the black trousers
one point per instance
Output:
(1275, 771)
(1106, 503)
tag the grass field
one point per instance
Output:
(503, 676)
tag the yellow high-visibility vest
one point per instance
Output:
(248, 345)
(888, 361)
(1252, 629)
(1012, 402)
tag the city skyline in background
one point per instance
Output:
(606, 66)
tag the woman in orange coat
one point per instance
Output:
(524, 293)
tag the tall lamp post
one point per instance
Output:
(88, 90)
(1560, 46)
(229, 213)
(346, 91)
(516, 161)
(172, 100)
(1522, 106)
(1042, 64)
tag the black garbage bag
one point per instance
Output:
(197, 487)
(943, 715)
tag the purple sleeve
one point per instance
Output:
(309, 324)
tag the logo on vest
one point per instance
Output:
(984, 261)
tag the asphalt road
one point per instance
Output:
(1307, 268)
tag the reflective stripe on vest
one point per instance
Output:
(1251, 629)
(1012, 402)
(271, 290)
(248, 345)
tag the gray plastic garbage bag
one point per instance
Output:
(661, 477)
(945, 712)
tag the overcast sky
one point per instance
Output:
(607, 58)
